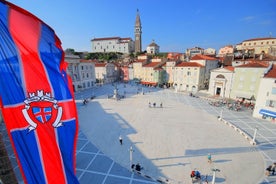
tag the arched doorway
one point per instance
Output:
(219, 84)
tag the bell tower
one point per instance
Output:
(138, 33)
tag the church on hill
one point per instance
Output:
(118, 44)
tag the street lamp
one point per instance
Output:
(254, 136)
(214, 175)
(131, 150)
(220, 116)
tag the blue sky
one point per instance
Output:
(175, 25)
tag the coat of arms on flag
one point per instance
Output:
(41, 108)
(36, 98)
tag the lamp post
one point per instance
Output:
(220, 116)
(130, 155)
(254, 136)
(214, 175)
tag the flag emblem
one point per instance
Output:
(36, 98)
(42, 108)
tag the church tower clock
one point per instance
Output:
(138, 33)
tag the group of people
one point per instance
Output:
(271, 169)
(154, 105)
(195, 174)
(85, 101)
(136, 167)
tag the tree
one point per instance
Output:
(69, 51)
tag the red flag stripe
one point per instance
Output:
(35, 78)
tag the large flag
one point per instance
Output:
(36, 98)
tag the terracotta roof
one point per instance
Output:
(158, 68)
(152, 64)
(111, 38)
(271, 73)
(106, 38)
(100, 64)
(139, 60)
(189, 64)
(256, 39)
(253, 65)
(231, 68)
(203, 57)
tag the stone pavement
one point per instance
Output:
(168, 142)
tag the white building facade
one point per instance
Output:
(113, 44)
(220, 83)
(82, 72)
(105, 73)
(188, 77)
(209, 64)
(153, 48)
(265, 106)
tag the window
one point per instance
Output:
(253, 79)
(240, 86)
(188, 73)
(270, 103)
(273, 91)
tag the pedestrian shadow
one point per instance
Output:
(176, 164)
(218, 151)
(221, 161)
(103, 126)
(219, 180)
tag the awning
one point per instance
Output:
(149, 83)
(243, 95)
(268, 113)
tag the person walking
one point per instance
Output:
(121, 140)
(209, 157)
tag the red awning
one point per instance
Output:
(149, 83)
